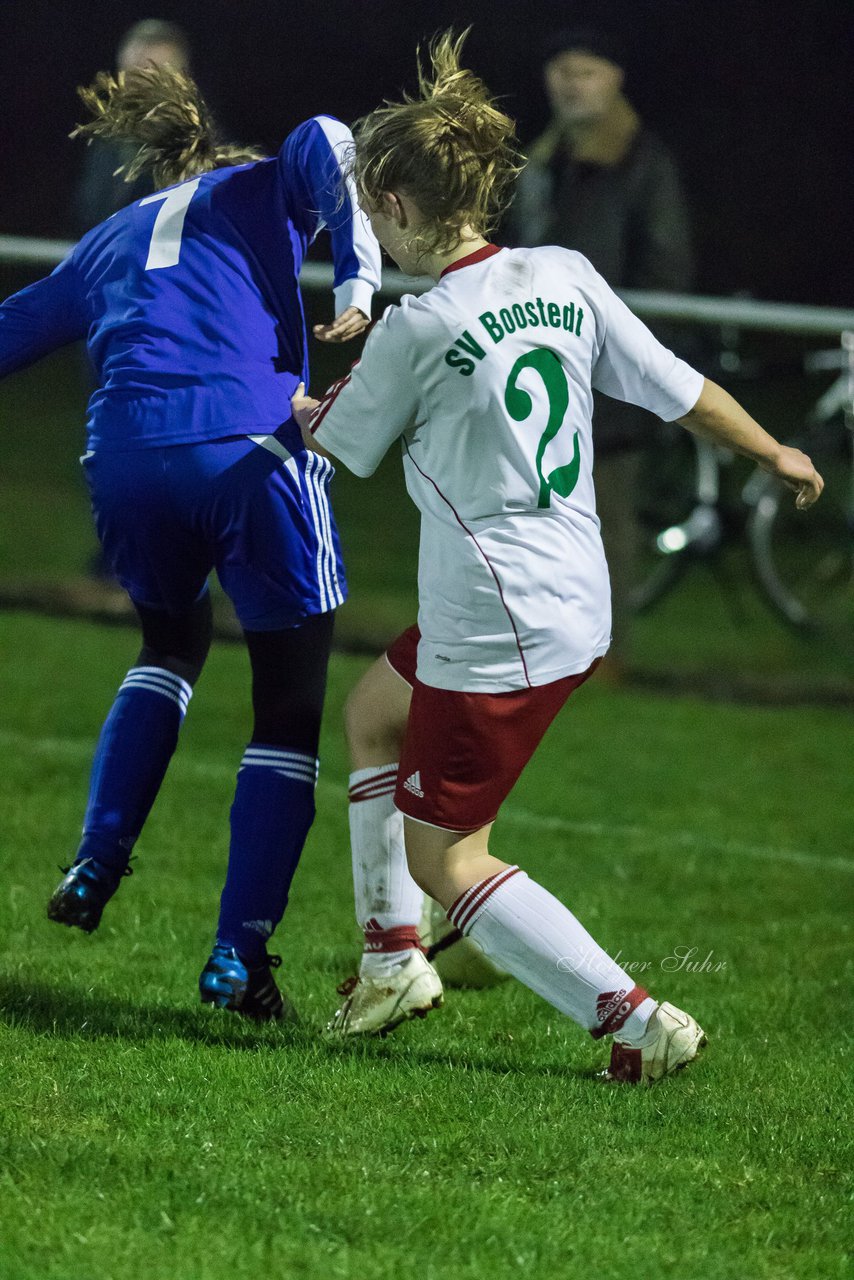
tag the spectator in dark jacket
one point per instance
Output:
(598, 181)
(101, 191)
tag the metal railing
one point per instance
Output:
(743, 313)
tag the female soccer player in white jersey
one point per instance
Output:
(190, 306)
(486, 381)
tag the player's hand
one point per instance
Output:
(797, 471)
(348, 325)
(302, 407)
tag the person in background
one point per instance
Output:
(102, 189)
(598, 181)
(190, 305)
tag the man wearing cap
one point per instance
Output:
(598, 181)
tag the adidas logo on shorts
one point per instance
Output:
(413, 784)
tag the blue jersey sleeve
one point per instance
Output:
(42, 317)
(313, 163)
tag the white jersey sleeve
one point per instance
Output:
(362, 415)
(633, 365)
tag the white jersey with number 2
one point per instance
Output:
(486, 380)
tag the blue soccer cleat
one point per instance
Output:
(229, 983)
(79, 899)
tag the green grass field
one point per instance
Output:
(145, 1138)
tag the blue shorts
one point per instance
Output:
(249, 508)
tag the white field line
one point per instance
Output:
(80, 750)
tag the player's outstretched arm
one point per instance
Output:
(718, 417)
(42, 317)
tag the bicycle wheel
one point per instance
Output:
(677, 512)
(804, 560)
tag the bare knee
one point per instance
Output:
(446, 863)
(428, 864)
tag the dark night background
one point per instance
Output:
(755, 100)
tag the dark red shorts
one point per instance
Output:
(463, 752)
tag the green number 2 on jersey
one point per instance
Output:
(519, 405)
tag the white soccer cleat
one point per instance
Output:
(376, 1004)
(673, 1039)
(458, 960)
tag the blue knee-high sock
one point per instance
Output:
(134, 749)
(271, 815)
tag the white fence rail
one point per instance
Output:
(780, 317)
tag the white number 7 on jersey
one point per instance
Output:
(165, 247)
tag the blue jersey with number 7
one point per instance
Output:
(188, 299)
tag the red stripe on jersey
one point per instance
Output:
(479, 255)
(486, 559)
(327, 402)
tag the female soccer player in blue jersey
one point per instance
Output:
(191, 310)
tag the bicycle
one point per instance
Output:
(804, 568)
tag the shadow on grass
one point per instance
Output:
(74, 1013)
(69, 1013)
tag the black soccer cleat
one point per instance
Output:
(229, 983)
(79, 899)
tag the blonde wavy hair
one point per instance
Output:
(161, 111)
(449, 148)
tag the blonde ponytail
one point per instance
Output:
(449, 148)
(160, 110)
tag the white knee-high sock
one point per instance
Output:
(388, 901)
(521, 926)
